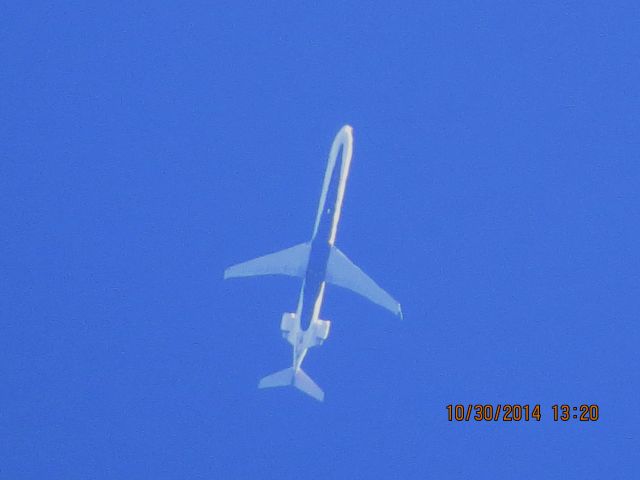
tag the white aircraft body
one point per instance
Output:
(317, 262)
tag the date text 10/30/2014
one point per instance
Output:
(514, 412)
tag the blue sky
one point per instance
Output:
(493, 191)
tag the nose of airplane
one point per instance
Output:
(346, 131)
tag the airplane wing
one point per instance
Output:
(343, 272)
(291, 261)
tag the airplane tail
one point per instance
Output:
(297, 378)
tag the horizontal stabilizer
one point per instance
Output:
(282, 378)
(291, 261)
(344, 273)
(304, 383)
(299, 379)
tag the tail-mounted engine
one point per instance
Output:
(288, 326)
(316, 334)
(319, 331)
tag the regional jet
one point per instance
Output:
(317, 262)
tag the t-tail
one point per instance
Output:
(296, 378)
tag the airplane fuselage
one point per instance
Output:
(316, 262)
(323, 238)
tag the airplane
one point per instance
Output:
(317, 262)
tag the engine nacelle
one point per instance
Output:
(288, 325)
(320, 331)
(288, 322)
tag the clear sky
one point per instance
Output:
(493, 191)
